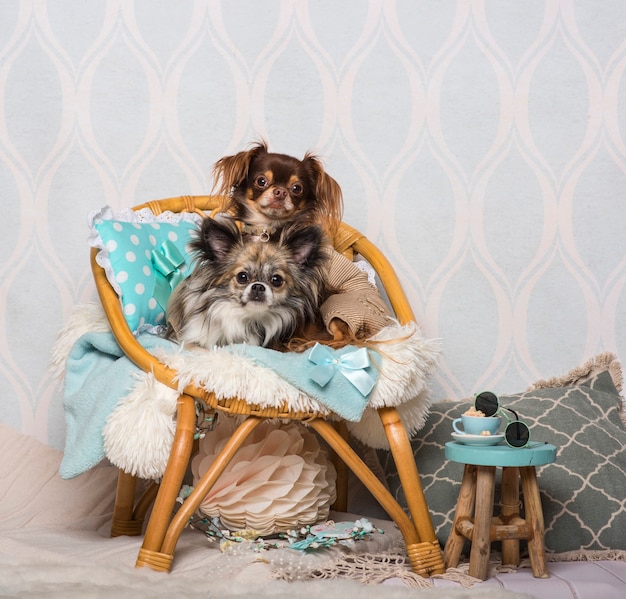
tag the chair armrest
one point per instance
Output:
(388, 278)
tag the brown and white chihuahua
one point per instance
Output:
(244, 291)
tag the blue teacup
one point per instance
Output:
(476, 425)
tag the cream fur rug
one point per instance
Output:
(54, 543)
(78, 579)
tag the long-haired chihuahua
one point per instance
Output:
(267, 191)
(244, 291)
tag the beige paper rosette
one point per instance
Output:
(280, 479)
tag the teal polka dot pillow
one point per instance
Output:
(144, 257)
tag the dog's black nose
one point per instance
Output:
(257, 292)
(280, 193)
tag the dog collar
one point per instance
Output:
(263, 233)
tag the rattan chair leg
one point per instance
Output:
(145, 501)
(425, 557)
(154, 560)
(204, 485)
(402, 453)
(367, 477)
(341, 501)
(123, 522)
(173, 477)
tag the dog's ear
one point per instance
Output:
(305, 244)
(232, 171)
(329, 198)
(216, 239)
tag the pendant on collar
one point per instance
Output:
(264, 234)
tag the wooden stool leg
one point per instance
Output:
(534, 518)
(481, 541)
(463, 512)
(510, 511)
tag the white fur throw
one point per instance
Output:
(138, 433)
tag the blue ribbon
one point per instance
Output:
(167, 262)
(352, 365)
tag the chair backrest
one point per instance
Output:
(347, 241)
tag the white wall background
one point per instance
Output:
(480, 143)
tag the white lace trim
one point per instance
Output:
(368, 269)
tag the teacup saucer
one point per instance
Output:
(478, 439)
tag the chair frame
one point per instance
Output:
(164, 529)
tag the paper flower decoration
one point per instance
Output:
(279, 479)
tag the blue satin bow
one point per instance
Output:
(167, 262)
(352, 365)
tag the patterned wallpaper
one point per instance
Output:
(480, 143)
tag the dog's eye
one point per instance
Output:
(277, 281)
(261, 181)
(296, 189)
(242, 278)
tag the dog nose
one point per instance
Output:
(280, 193)
(257, 292)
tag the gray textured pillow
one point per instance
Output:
(583, 493)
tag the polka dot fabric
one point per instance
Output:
(127, 253)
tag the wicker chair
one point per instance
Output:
(164, 528)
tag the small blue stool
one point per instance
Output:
(473, 518)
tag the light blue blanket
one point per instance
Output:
(341, 380)
(98, 376)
